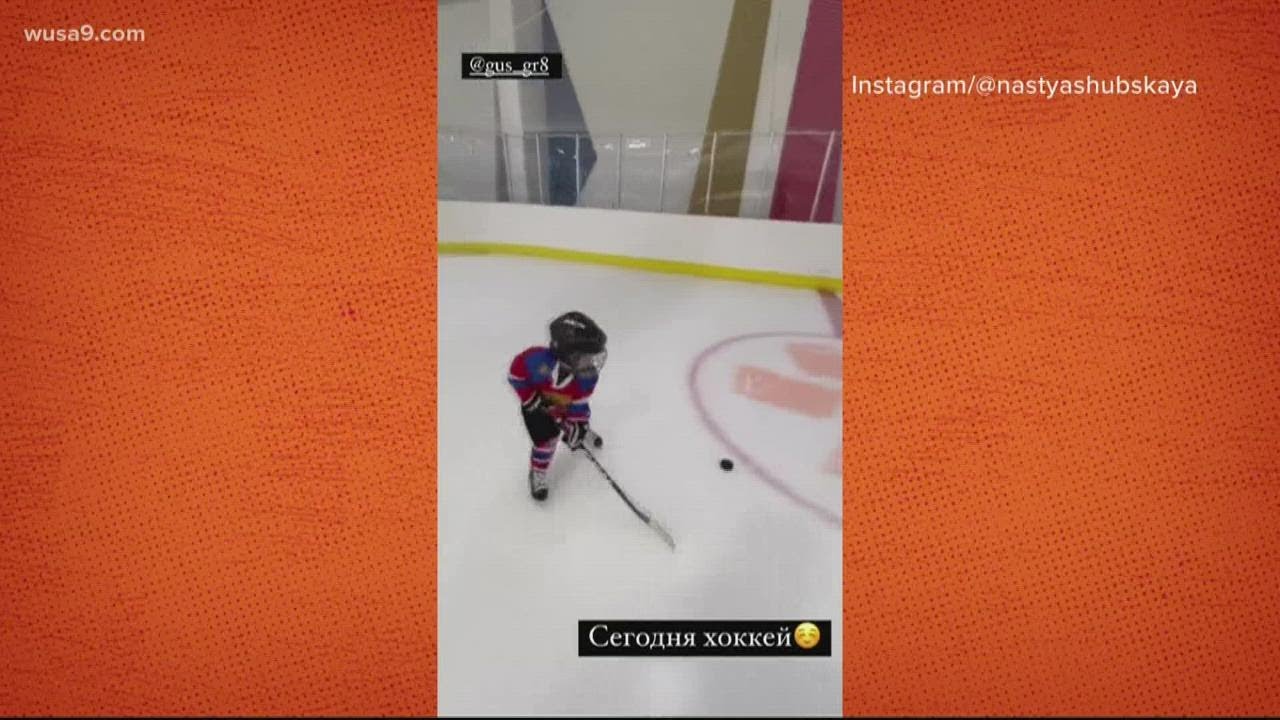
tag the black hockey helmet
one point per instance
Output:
(578, 342)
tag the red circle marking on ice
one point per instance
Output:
(766, 386)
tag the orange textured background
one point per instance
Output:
(217, 327)
(1063, 364)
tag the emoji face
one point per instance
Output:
(807, 635)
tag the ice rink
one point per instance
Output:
(698, 370)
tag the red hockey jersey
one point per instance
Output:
(536, 370)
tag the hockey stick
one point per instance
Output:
(640, 513)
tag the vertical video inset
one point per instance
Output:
(639, 347)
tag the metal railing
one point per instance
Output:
(743, 173)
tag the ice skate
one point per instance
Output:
(538, 485)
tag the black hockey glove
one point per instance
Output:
(575, 433)
(541, 426)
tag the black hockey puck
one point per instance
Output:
(597, 441)
(726, 464)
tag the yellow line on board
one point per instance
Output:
(671, 267)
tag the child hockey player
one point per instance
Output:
(554, 384)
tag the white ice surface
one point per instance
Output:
(515, 576)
